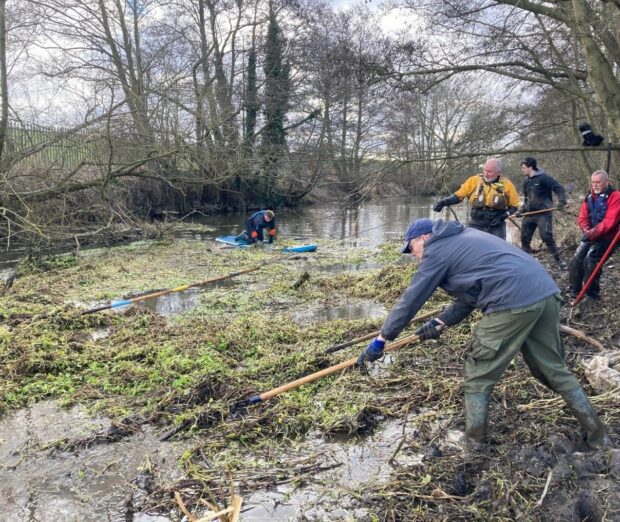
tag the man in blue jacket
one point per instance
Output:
(255, 225)
(520, 305)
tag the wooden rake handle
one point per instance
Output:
(327, 371)
(370, 335)
(525, 214)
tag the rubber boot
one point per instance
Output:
(476, 419)
(561, 264)
(526, 248)
(596, 432)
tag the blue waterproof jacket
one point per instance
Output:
(478, 269)
(256, 223)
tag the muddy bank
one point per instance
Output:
(63, 464)
(353, 446)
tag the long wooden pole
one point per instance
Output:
(125, 302)
(324, 373)
(159, 293)
(370, 335)
(525, 214)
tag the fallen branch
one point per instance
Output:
(580, 335)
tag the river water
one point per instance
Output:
(365, 224)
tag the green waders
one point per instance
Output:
(533, 330)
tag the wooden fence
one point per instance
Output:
(49, 147)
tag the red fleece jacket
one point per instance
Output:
(607, 228)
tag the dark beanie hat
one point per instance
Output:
(529, 162)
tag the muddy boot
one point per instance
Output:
(596, 432)
(561, 264)
(476, 420)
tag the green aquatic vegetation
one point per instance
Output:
(389, 252)
(36, 264)
(187, 372)
(245, 332)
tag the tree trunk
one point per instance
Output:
(601, 72)
(4, 89)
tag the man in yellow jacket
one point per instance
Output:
(492, 199)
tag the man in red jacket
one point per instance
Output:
(599, 219)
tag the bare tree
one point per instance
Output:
(569, 46)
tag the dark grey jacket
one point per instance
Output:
(477, 269)
(537, 191)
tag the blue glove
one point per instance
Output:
(373, 352)
(430, 330)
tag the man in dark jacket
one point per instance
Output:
(537, 192)
(599, 219)
(255, 224)
(520, 305)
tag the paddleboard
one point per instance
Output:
(311, 247)
(233, 241)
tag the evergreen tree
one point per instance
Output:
(251, 100)
(276, 99)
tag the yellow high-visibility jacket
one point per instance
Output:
(499, 194)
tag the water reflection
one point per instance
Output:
(359, 461)
(367, 224)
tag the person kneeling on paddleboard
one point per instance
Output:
(255, 224)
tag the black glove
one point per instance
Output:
(446, 202)
(499, 220)
(519, 213)
(561, 205)
(372, 352)
(430, 330)
(438, 207)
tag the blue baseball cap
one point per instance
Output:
(416, 229)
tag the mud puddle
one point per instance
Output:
(352, 461)
(173, 303)
(39, 480)
(350, 311)
(179, 302)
